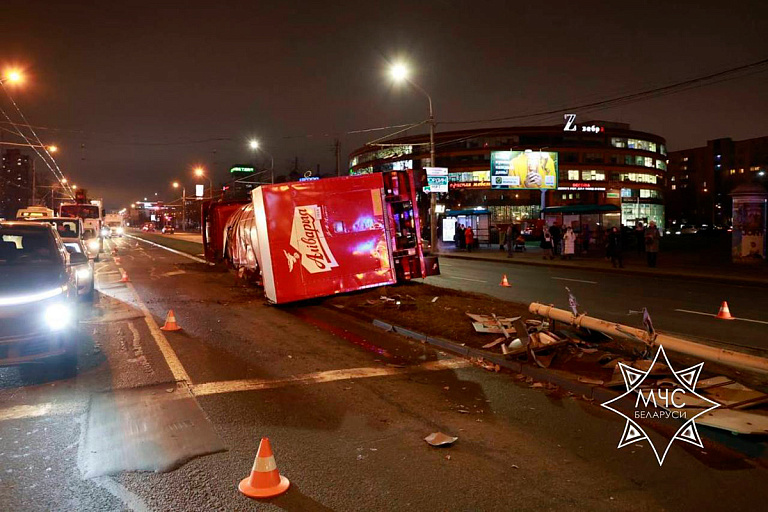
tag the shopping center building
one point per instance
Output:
(599, 174)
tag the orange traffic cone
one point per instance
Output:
(504, 281)
(170, 322)
(724, 313)
(124, 279)
(265, 481)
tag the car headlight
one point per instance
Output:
(58, 316)
(105, 232)
(83, 273)
(120, 231)
(93, 245)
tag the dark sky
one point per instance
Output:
(131, 88)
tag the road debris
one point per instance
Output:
(440, 439)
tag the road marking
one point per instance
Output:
(710, 314)
(233, 386)
(465, 279)
(193, 258)
(171, 359)
(574, 280)
(131, 500)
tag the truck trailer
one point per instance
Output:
(310, 239)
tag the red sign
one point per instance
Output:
(323, 237)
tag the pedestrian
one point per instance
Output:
(652, 237)
(462, 242)
(546, 243)
(512, 233)
(614, 247)
(456, 234)
(569, 243)
(557, 235)
(469, 237)
(639, 237)
(585, 238)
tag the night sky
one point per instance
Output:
(137, 93)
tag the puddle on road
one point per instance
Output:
(156, 428)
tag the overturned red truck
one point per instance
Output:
(317, 238)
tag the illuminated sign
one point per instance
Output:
(199, 190)
(437, 179)
(242, 169)
(581, 186)
(571, 126)
(531, 170)
(309, 178)
(470, 179)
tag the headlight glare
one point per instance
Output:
(58, 316)
(83, 273)
(93, 245)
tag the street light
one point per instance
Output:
(12, 76)
(53, 149)
(200, 173)
(254, 144)
(399, 73)
(183, 204)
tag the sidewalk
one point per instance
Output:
(671, 264)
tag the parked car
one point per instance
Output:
(688, 229)
(70, 230)
(168, 230)
(38, 297)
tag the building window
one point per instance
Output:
(674, 187)
(614, 159)
(661, 164)
(593, 158)
(573, 175)
(571, 158)
(733, 171)
(592, 176)
(618, 142)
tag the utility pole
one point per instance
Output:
(33, 182)
(183, 208)
(337, 147)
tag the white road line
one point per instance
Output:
(193, 258)
(710, 314)
(574, 280)
(465, 279)
(131, 500)
(171, 359)
(18, 412)
(232, 386)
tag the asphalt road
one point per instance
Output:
(612, 296)
(345, 406)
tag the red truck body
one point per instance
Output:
(319, 238)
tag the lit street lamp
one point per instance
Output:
(12, 76)
(399, 73)
(183, 204)
(200, 173)
(254, 144)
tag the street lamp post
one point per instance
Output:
(254, 144)
(200, 173)
(183, 204)
(399, 73)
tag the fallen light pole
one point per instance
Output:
(705, 352)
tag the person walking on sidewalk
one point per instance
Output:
(614, 247)
(546, 243)
(652, 237)
(462, 242)
(639, 237)
(512, 234)
(557, 235)
(469, 238)
(569, 243)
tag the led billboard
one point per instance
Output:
(532, 170)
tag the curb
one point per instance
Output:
(556, 377)
(625, 271)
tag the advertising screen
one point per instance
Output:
(524, 170)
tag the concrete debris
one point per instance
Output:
(440, 439)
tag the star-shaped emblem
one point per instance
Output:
(633, 380)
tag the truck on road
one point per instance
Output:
(92, 215)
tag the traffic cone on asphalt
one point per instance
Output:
(265, 481)
(124, 279)
(170, 322)
(724, 313)
(504, 281)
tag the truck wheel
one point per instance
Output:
(88, 297)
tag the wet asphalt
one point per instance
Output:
(345, 406)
